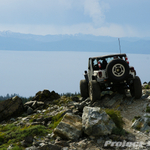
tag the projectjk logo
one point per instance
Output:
(125, 144)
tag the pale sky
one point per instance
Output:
(116, 18)
(25, 73)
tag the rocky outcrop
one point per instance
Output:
(46, 95)
(84, 125)
(40, 101)
(11, 107)
(96, 122)
(70, 127)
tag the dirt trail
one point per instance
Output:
(137, 108)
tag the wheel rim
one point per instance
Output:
(118, 70)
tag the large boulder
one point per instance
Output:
(96, 122)
(11, 107)
(70, 127)
(46, 95)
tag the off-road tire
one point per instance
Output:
(136, 88)
(94, 91)
(84, 89)
(117, 70)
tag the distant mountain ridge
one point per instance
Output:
(80, 42)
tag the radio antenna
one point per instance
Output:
(119, 45)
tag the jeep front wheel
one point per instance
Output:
(84, 88)
(94, 91)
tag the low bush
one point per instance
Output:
(116, 117)
(56, 120)
(147, 86)
(11, 133)
(119, 131)
(135, 118)
(148, 109)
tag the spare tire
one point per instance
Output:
(117, 70)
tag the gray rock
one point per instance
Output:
(145, 127)
(27, 141)
(46, 95)
(75, 98)
(137, 124)
(146, 94)
(31, 148)
(116, 100)
(12, 119)
(83, 104)
(34, 104)
(29, 103)
(11, 107)
(49, 147)
(142, 124)
(29, 110)
(96, 122)
(70, 127)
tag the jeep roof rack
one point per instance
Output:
(106, 56)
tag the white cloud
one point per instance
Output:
(62, 17)
(95, 9)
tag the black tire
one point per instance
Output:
(117, 70)
(94, 91)
(136, 88)
(84, 89)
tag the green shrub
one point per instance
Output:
(17, 148)
(56, 120)
(116, 117)
(118, 131)
(147, 86)
(148, 109)
(11, 134)
(135, 118)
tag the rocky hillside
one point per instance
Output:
(51, 122)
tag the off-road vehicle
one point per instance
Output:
(110, 72)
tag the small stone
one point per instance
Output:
(29, 110)
(65, 148)
(12, 119)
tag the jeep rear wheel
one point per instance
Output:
(117, 70)
(94, 91)
(136, 88)
(84, 89)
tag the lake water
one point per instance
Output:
(27, 72)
